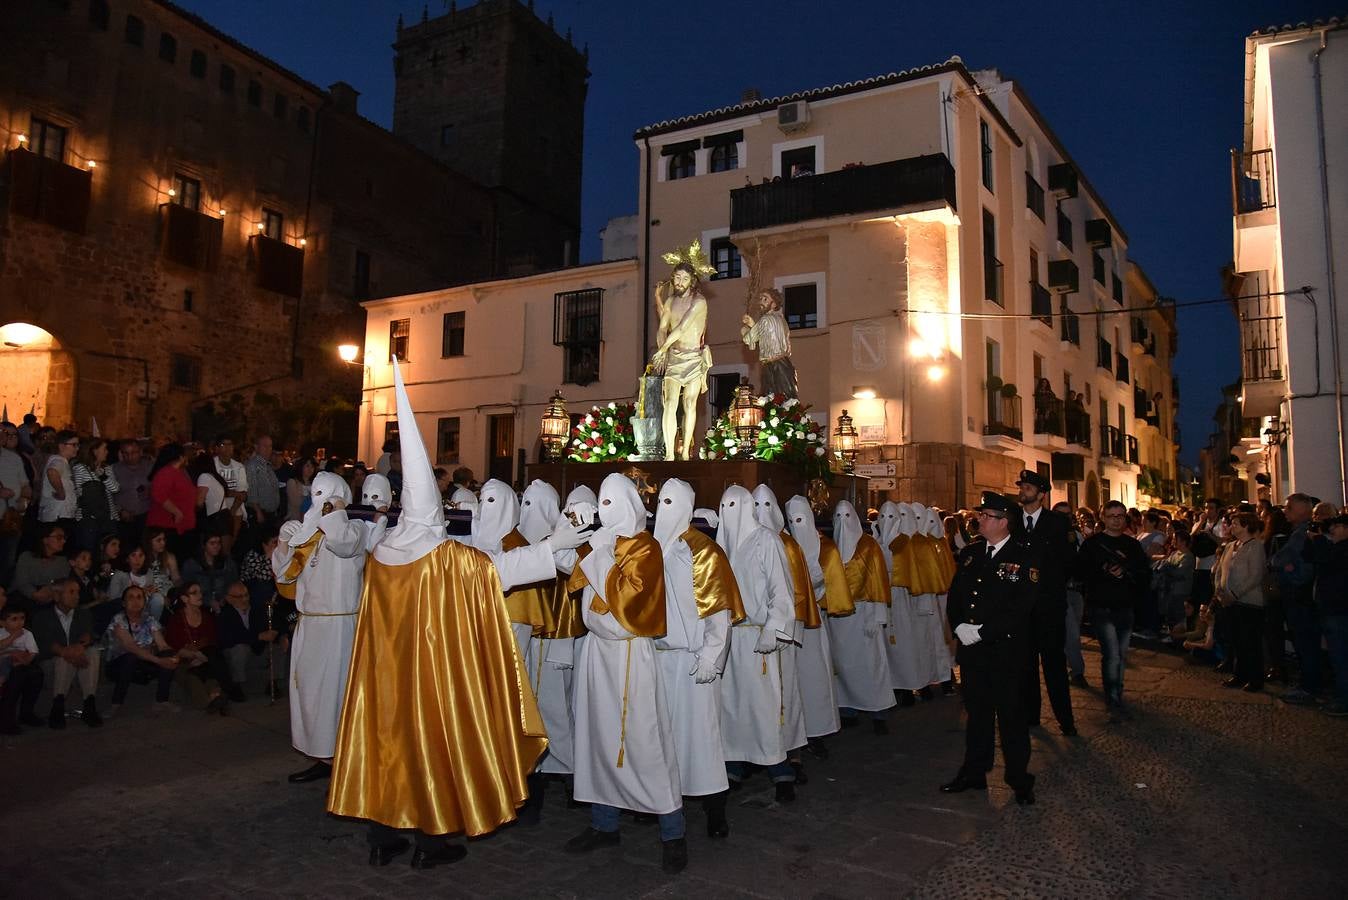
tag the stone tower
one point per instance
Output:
(497, 94)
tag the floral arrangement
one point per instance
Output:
(786, 435)
(604, 434)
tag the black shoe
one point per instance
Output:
(879, 726)
(56, 718)
(948, 687)
(236, 694)
(799, 769)
(717, 824)
(1080, 681)
(905, 698)
(1025, 797)
(1233, 682)
(532, 810)
(440, 856)
(89, 715)
(1069, 731)
(817, 748)
(591, 839)
(925, 693)
(849, 722)
(1223, 666)
(674, 856)
(785, 792)
(962, 784)
(382, 856)
(316, 772)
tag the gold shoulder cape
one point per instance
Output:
(439, 728)
(903, 574)
(714, 583)
(635, 588)
(866, 572)
(837, 598)
(530, 604)
(806, 609)
(945, 564)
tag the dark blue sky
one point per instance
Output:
(1146, 95)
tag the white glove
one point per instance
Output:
(602, 538)
(705, 671)
(288, 530)
(566, 536)
(767, 642)
(563, 666)
(968, 634)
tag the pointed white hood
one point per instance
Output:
(907, 521)
(497, 514)
(887, 526)
(931, 524)
(673, 512)
(738, 524)
(620, 509)
(800, 519)
(540, 511)
(766, 511)
(421, 524)
(846, 529)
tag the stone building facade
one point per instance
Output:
(183, 220)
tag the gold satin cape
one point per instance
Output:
(807, 610)
(837, 599)
(904, 572)
(714, 583)
(530, 604)
(635, 588)
(440, 728)
(866, 572)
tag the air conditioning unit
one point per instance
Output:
(793, 116)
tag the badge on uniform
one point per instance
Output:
(1009, 572)
(969, 559)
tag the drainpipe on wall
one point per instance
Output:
(1329, 260)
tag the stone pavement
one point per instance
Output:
(1206, 793)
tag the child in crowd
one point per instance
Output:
(20, 677)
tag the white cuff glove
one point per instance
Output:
(602, 538)
(968, 634)
(566, 536)
(767, 641)
(288, 531)
(705, 671)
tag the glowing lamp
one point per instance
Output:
(845, 442)
(745, 413)
(348, 352)
(23, 139)
(554, 427)
(863, 392)
(172, 192)
(935, 373)
(91, 163)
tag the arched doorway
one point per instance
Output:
(1092, 491)
(39, 375)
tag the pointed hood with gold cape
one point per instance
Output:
(440, 728)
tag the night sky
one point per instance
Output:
(1146, 96)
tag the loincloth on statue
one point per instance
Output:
(688, 368)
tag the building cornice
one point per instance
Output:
(537, 278)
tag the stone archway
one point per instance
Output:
(1093, 492)
(39, 375)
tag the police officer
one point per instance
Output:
(1050, 537)
(989, 605)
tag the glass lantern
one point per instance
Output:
(554, 427)
(745, 414)
(845, 442)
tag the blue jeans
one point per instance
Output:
(1336, 637)
(1113, 627)
(1306, 639)
(605, 818)
(781, 771)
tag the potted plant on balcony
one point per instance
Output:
(1008, 390)
(994, 384)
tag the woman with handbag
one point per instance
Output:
(1238, 578)
(95, 490)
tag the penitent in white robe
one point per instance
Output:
(814, 673)
(615, 669)
(694, 709)
(327, 596)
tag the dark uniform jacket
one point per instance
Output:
(999, 594)
(1054, 544)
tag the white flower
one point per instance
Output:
(577, 442)
(613, 406)
(612, 448)
(598, 451)
(710, 432)
(814, 435)
(790, 402)
(732, 450)
(730, 442)
(774, 421)
(818, 451)
(800, 435)
(589, 419)
(772, 439)
(762, 401)
(608, 420)
(762, 424)
(594, 434)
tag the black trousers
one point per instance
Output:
(993, 697)
(1249, 643)
(125, 668)
(1050, 637)
(380, 835)
(19, 694)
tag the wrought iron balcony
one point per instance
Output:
(1049, 415)
(1252, 184)
(1078, 423)
(1063, 277)
(1121, 367)
(1070, 328)
(1034, 196)
(1041, 303)
(1111, 442)
(1062, 180)
(1260, 338)
(1098, 233)
(1003, 415)
(47, 190)
(922, 182)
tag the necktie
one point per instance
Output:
(1029, 524)
(992, 551)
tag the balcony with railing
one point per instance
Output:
(1111, 442)
(1121, 367)
(47, 190)
(1041, 303)
(1069, 328)
(1034, 196)
(277, 266)
(1050, 419)
(917, 183)
(1252, 185)
(1078, 423)
(1263, 375)
(190, 238)
(1130, 448)
(1003, 420)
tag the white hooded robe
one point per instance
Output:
(814, 661)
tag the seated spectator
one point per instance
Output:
(137, 648)
(163, 564)
(37, 570)
(193, 634)
(132, 569)
(20, 677)
(65, 637)
(81, 563)
(244, 631)
(1201, 638)
(256, 572)
(108, 550)
(213, 569)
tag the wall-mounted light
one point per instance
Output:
(935, 373)
(261, 226)
(863, 392)
(348, 352)
(303, 242)
(223, 213)
(23, 139)
(172, 192)
(91, 164)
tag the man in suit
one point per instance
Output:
(989, 606)
(1049, 535)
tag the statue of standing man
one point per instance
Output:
(771, 336)
(682, 357)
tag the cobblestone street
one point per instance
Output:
(1206, 793)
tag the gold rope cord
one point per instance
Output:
(622, 737)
